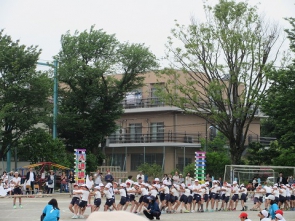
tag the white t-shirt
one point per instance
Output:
(108, 194)
(154, 192)
(175, 192)
(122, 192)
(31, 177)
(85, 194)
(97, 194)
(144, 191)
(16, 181)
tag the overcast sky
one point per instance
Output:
(42, 22)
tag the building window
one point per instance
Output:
(181, 165)
(117, 160)
(138, 159)
(135, 132)
(157, 132)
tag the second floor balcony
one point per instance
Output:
(155, 138)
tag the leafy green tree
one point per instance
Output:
(92, 94)
(222, 65)
(151, 170)
(217, 144)
(279, 102)
(190, 168)
(24, 91)
(215, 163)
(39, 146)
(257, 154)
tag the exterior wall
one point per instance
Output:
(178, 127)
(172, 157)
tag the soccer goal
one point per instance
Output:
(246, 173)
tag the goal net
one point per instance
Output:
(246, 173)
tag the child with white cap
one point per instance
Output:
(97, 197)
(282, 197)
(235, 196)
(272, 205)
(243, 197)
(166, 191)
(16, 181)
(123, 194)
(263, 215)
(109, 197)
(258, 193)
(131, 191)
(74, 204)
(175, 193)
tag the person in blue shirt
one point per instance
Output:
(153, 209)
(51, 211)
(273, 206)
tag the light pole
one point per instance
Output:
(55, 96)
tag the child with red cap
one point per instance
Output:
(244, 217)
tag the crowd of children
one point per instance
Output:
(157, 198)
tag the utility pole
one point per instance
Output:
(55, 96)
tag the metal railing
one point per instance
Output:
(143, 103)
(156, 137)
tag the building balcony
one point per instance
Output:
(155, 138)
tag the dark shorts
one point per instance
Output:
(109, 202)
(197, 198)
(140, 199)
(244, 197)
(292, 197)
(206, 197)
(17, 191)
(189, 199)
(216, 196)
(97, 202)
(162, 197)
(288, 198)
(226, 199)
(167, 197)
(183, 199)
(256, 200)
(282, 199)
(131, 197)
(75, 201)
(212, 195)
(83, 204)
(235, 197)
(267, 194)
(145, 200)
(123, 200)
(172, 199)
(222, 197)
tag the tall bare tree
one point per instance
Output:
(223, 62)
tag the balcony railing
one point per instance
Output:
(157, 137)
(134, 102)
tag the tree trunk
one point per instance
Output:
(236, 153)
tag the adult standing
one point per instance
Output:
(50, 182)
(31, 178)
(109, 177)
(281, 179)
(97, 178)
(63, 182)
(176, 178)
(140, 175)
(188, 179)
(181, 179)
(71, 181)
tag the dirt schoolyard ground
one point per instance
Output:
(33, 207)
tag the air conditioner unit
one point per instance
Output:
(188, 139)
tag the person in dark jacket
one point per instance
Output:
(153, 209)
(281, 179)
(31, 178)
